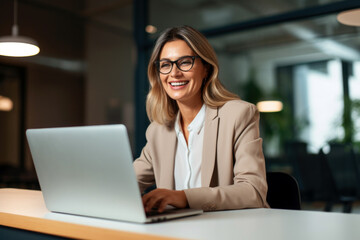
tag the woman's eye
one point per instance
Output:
(165, 65)
(185, 62)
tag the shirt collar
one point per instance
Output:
(177, 126)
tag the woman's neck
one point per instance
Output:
(188, 112)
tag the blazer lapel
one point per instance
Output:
(209, 145)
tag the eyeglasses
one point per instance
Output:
(183, 64)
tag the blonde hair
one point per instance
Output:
(159, 106)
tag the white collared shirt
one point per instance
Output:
(188, 157)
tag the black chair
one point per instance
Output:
(312, 173)
(346, 174)
(283, 191)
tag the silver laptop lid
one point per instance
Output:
(87, 171)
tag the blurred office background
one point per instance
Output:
(92, 64)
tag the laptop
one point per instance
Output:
(88, 171)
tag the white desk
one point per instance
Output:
(25, 209)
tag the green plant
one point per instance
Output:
(351, 127)
(276, 126)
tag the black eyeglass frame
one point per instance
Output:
(157, 63)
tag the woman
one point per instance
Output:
(203, 147)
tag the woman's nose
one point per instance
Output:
(175, 71)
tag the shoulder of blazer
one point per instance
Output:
(237, 108)
(155, 130)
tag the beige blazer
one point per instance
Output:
(233, 174)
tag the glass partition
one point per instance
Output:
(300, 63)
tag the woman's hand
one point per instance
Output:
(160, 198)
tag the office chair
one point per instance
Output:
(346, 174)
(312, 173)
(283, 191)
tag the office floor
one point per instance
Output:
(319, 206)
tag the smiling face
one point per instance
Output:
(183, 87)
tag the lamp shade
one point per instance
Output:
(269, 106)
(350, 17)
(18, 46)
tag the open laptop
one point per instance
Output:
(88, 171)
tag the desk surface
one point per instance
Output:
(25, 209)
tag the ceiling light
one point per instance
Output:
(15, 45)
(350, 17)
(5, 104)
(269, 106)
(151, 29)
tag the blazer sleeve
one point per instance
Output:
(248, 188)
(143, 165)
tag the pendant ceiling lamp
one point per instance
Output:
(15, 45)
(5, 104)
(350, 17)
(269, 106)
